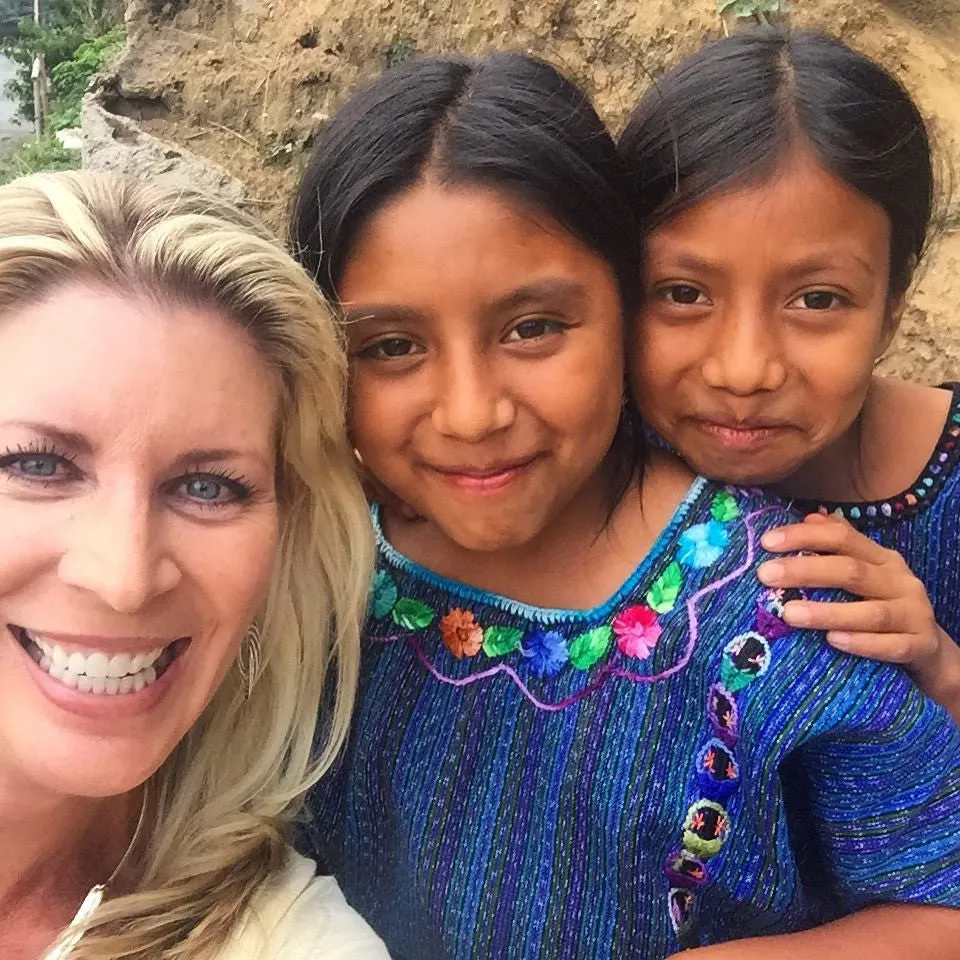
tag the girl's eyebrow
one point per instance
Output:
(550, 289)
(381, 312)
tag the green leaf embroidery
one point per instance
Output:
(384, 594)
(662, 596)
(724, 507)
(499, 641)
(589, 647)
(412, 614)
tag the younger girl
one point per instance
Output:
(785, 185)
(584, 730)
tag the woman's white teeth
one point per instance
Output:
(97, 671)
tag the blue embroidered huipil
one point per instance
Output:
(674, 767)
(922, 523)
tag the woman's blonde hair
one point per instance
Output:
(222, 804)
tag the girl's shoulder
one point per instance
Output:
(934, 477)
(300, 916)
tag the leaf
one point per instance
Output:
(724, 507)
(412, 614)
(384, 594)
(589, 647)
(499, 641)
(662, 596)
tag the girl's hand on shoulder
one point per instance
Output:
(893, 622)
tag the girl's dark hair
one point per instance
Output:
(507, 121)
(727, 116)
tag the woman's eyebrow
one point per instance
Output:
(65, 438)
(200, 456)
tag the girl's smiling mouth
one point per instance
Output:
(485, 479)
(741, 435)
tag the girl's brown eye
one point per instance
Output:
(682, 293)
(819, 300)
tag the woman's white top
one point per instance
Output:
(300, 916)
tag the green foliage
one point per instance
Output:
(32, 156)
(401, 48)
(85, 31)
(751, 9)
(71, 77)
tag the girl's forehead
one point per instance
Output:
(801, 210)
(471, 241)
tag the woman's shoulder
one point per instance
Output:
(300, 916)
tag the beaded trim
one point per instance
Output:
(945, 458)
(716, 776)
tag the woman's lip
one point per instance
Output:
(91, 706)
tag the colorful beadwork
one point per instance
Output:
(706, 826)
(945, 458)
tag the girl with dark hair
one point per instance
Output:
(582, 723)
(785, 185)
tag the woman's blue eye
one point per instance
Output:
(204, 488)
(40, 467)
(211, 490)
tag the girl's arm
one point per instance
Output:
(885, 932)
(894, 621)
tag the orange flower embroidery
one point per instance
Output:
(461, 633)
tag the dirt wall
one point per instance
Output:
(247, 83)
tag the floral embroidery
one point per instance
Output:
(706, 826)
(499, 641)
(744, 659)
(546, 652)
(681, 903)
(722, 714)
(461, 633)
(637, 630)
(702, 545)
(662, 596)
(412, 614)
(384, 594)
(590, 647)
(684, 869)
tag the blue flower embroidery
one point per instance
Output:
(702, 545)
(546, 652)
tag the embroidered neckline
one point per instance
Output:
(613, 641)
(917, 497)
(546, 615)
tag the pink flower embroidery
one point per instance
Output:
(637, 631)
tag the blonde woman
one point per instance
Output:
(183, 562)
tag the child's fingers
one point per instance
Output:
(835, 572)
(864, 616)
(889, 647)
(826, 535)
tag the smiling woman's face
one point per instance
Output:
(139, 520)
